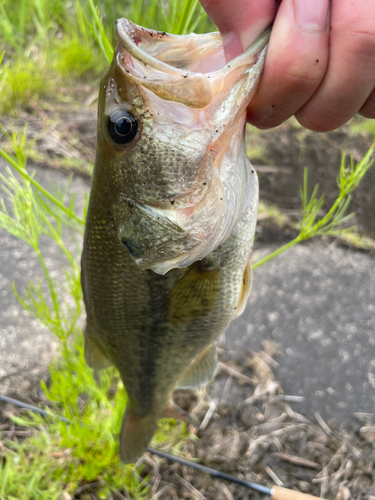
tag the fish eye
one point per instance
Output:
(122, 126)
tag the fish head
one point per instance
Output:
(170, 145)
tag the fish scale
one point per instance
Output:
(160, 173)
(162, 280)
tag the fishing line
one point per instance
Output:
(276, 493)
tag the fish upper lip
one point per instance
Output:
(126, 28)
(194, 89)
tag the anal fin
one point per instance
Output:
(93, 355)
(201, 370)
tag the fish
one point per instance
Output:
(171, 217)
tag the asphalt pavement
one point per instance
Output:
(26, 346)
(316, 301)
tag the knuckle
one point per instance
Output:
(357, 36)
(300, 77)
(362, 45)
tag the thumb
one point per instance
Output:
(240, 21)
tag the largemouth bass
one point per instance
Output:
(171, 217)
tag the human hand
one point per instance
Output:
(320, 63)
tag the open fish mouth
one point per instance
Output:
(183, 68)
(192, 108)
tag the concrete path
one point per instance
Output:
(317, 302)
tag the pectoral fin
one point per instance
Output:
(93, 355)
(194, 296)
(201, 370)
(245, 290)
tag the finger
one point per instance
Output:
(296, 61)
(368, 109)
(350, 77)
(239, 22)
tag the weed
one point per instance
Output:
(22, 82)
(358, 241)
(73, 59)
(350, 176)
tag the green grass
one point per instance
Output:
(95, 408)
(23, 82)
(27, 471)
(49, 45)
(255, 148)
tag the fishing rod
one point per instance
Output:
(275, 492)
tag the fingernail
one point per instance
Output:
(312, 14)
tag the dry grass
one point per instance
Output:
(261, 438)
(265, 440)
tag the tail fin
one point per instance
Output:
(136, 434)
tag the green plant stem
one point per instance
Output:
(278, 252)
(40, 188)
(185, 16)
(101, 36)
(67, 355)
(329, 215)
(304, 235)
